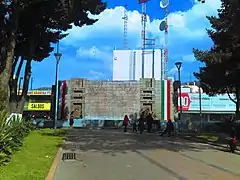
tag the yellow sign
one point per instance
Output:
(39, 106)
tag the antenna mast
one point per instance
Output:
(164, 5)
(143, 34)
(125, 30)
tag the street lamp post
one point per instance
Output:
(58, 57)
(178, 66)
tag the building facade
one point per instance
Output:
(128, 64)
(109, 101)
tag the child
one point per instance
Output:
(125, 123)
(134, 126)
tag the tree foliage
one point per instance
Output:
(222, 62)
(28, 28)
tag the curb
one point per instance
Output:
(205, 142)
(54, 166)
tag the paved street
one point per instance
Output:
(112, 154)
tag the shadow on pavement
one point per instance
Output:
(112, 141)
(220, 144)
(206, 138)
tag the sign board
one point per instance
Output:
(38, 107)
(37, 92)
(191, 102)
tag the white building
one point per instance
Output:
(191, 88)
(127, 64)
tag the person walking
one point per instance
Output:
(158, 124)
(134, 123)
(169, 128)
(233, 139)
(125, 123)
(141, 123)
(71, 119)
(149, 120)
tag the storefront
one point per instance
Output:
(218, 108)
(38, 104)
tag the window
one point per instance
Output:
(79, 97)
(78, 91)
(147, 92)
(147, 98)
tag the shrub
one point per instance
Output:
(12, 133)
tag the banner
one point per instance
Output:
(37, 92)
(39, 107)
(191, 102)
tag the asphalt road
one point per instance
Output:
(115, 155)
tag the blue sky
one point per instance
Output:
(87, 51)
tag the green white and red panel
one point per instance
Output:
(165, 100)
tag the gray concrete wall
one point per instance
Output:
(111, 99)
(68, 97)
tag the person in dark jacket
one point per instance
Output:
(141, 123)
(158, 124)
(169, 128)
(149, 120)
(233, 140)
(233, 132)
(71, 119)
(134, 123)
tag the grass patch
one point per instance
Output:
(35, 157)
(209, 138)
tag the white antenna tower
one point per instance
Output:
(143, 36)
(164, 26)
(125, 30)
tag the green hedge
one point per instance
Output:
(12, 133)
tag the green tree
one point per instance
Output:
(26, 37)
(222, 64)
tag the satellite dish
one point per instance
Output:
(162, 26)
(164, 3)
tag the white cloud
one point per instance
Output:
(93, 52)
(186, 30)
(185, 24)
(96, 54)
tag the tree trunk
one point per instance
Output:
(17, 76)
(13, 80)
(6, 73)
(14, 64)
(27, 75)
(14, 98)
(19, 68)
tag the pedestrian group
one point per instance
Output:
(146, 122)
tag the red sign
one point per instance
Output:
(186, 101)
